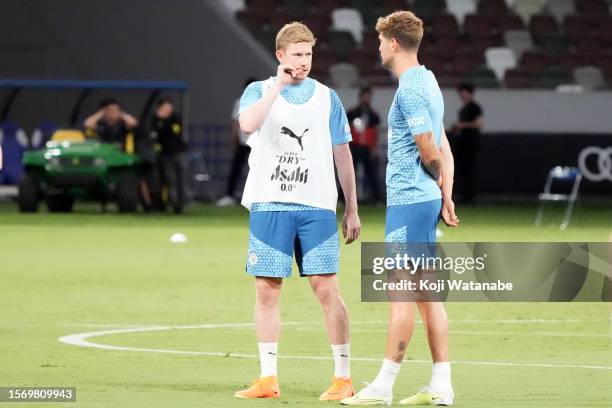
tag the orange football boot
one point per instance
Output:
(342, 387)
(265, 387)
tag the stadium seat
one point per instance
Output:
(461, 8)
(492, 9)
(348, 20)
(344, 75)
(389, 6)
(428, 9)
(576, 28)
(342, 42)
(534, 61)
(484, 77)
(518, 78)
(605, 31)
(541, 24)
(445, 24)
(509, 22)
(553, 43)
(370, 42)
(518, 41)
(465, 62)
(552, 76)
(589, 8)
(569, 61)
(481, 44)
(318, 25)
(448, 44)
(432, 60)
(367, 9)
(560, 9)
(14, 142)
(263, 5)
(526, 8)
(252, 20)
(364, 62)
(499, 60)
(298, 8)
(380, 77)
(590, 78)
(477, 25)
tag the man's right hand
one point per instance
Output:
(284, 73)
(448, 213)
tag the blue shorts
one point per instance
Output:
(275, 235)
(412, 223)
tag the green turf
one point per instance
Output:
(61, 273)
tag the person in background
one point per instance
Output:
(467, 140)
(167, 128)
(364, 123)
(112, 124)
(241, 154)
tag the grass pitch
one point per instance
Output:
(91, 272)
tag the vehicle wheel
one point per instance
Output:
(28, 194)
(127, 193)
(60, 203)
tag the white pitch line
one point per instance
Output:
(480, 333)
(367, 322)
(80, 339)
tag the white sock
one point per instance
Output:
(342, 359)
(441, 377)
(267, 358)
(386, 376)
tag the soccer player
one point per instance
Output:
(419, 189)
(297, 129)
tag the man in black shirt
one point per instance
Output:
(467, 140)
(364, 123)
(112, 125)
(167, 128)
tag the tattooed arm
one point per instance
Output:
(430, 154)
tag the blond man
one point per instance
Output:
(297, 130)
(419, 191)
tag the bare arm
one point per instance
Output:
(130, 121)
(351, 225)
(430, 154)
(92, 121)
(447, 174)
(254, 116)
(448, 167)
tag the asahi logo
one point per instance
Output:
(298, 175)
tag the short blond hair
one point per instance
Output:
(292, 33)
(404, 26)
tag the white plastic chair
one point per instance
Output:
(590, 78)
(560, 8)
(460, 8)
(344, 75)
(527, 8)
(348, 19)
(518, 41)
(499, 59)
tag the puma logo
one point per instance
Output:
(289, 132)
(344, 355)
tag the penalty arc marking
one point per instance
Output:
(82, 340)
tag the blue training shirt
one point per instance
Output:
(299, 94)
(418, 107)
